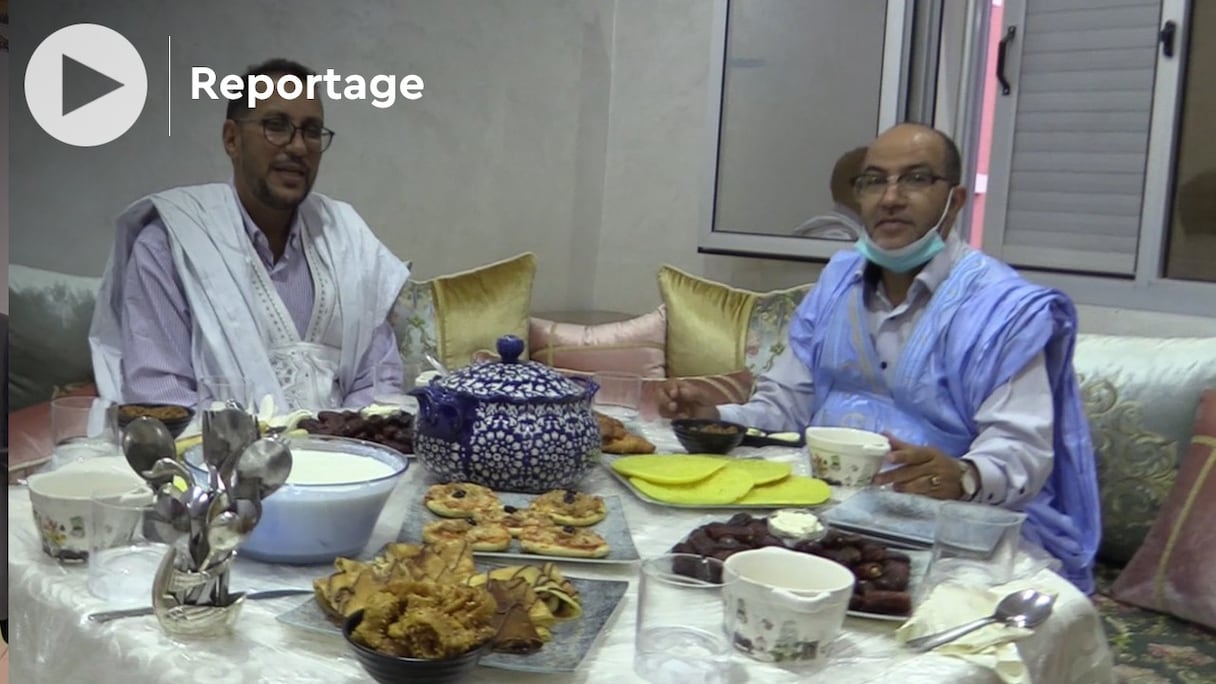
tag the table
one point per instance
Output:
(53, 643)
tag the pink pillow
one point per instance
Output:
(1173, 571)
(638, 345)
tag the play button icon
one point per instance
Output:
(86, 85)
(76, 97)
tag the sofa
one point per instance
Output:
(1142, 396)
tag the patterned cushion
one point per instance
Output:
(453, 316)
(1153, 648)
(50, 314)
(713, 328)
(637, 345)
(1141, 395)
(1175, 569)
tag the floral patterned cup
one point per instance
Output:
(62, 505)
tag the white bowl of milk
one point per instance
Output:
(330, 503)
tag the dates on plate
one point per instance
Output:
(882, 573)
(395, 431)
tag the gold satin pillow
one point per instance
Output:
(474, 308)
(715, 329)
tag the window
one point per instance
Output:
(797, 85)
(1103, 167)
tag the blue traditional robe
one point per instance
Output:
(982, 326)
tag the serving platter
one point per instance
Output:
(613, 528)
(572, 639)
(606, 462)
(887, 516)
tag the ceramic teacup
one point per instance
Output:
(784, 606)
(62, 503)
(846, 456)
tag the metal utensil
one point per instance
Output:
(165, 470)
(435, 363)
(1027, 608)
(146, 441)
(261, 469)
(111, 615)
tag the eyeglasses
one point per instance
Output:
(911, 181)
(281, 131)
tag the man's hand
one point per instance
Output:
(682, 400)
(923, 470)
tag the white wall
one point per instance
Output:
(574, 129)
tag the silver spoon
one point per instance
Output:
(1027, 608)
(435, 363)
(261, 469)
(165, 470)
(145, 441)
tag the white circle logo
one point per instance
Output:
(86, 85)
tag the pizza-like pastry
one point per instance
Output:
(483, 536)
(616, 439)
(568, 507)
(514, 519)
(460, 499)
(571, 542)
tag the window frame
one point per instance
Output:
(893, 105)
(1146, 288)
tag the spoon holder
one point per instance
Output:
(184, 600)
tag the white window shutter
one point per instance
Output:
(1070, 141)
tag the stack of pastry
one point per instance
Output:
(618, 440)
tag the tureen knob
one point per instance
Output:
(509, 348)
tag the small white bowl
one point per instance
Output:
(62, 503)
(846, 456)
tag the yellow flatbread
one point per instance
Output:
(723, 487)
(795, 490)
(669, 469)
(761, 471)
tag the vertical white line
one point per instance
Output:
(170, 78)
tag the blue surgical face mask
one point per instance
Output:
(908, 257)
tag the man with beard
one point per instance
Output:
(964, 365)
(258, 279)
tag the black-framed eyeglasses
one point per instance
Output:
(909, 181)
(280, 131)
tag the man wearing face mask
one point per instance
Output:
(258, 279)
(964, 365)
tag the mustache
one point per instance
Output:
(290, 163)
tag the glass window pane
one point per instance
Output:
(1191, 245)
(801, 86)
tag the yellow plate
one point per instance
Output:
(669, 469)
(795, 490)
(723, 487)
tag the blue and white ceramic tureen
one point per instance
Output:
(513, 425)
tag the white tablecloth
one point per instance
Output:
(51, 641)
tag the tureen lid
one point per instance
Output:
(511, 379)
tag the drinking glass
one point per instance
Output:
(619, 394)
(125, 547)
(680, 632)
(82, 427)
(974, 544)
(221, 389)
(391, 382)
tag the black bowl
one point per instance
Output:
(693, 435)
(129, 412)
(388, 669)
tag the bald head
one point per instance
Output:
(938, 144)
